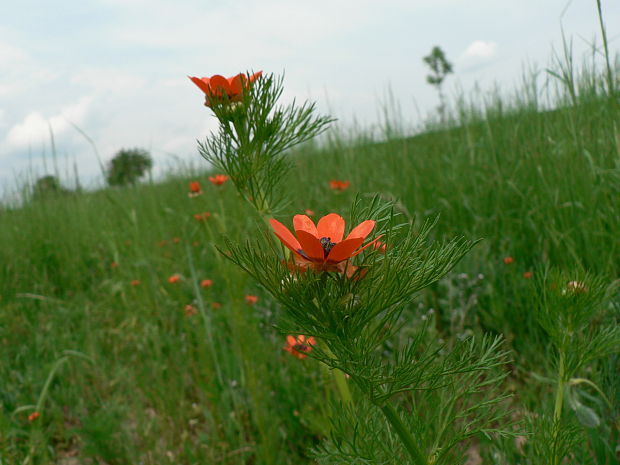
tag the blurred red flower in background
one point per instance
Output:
(299, 346)
(337, 185)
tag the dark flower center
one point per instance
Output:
(327, 245)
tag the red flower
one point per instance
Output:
(322, 246)
(218, 179)
(206, 283)
(217, 86)
(114, 265)
(508, 260)
(204, 216)
(299, 346)
(337, 185)
(135, 282)
(216, 305)
(309, 212)
(380, 246)
(190, 310)
(194, 189)
(251, 299)
(33, 416)
(175, 278)
(528, 274)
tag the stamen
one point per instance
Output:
(327, 245)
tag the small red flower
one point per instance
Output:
(206, 283)
(322, 246)
(299, 346)
(380, 246)
(337, 185)
(216, 305)
(218, 179)
(33, 416)
(216, 87)
(190, 310)
(194, 189)
(309, 212)
(251, 299)
(175, 278)
(528, 274)
(114, 265)
(508, 260)
(135, 282)
(204, 216)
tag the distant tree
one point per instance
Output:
(47, 186)
(440, 68)
(127, 166)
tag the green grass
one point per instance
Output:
(156, 386)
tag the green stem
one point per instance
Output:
(343, 387)
(403, 433)
(340, 380)
(559, 402)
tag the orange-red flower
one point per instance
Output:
(380, 246)
(33, 416)
(299, 346)
(190, 310)
(206, 283)
(194, 189)
(217, 86)
(204, 216)
(337, 185)
(175, 278)
(309, 212)
(508, 260)
(528, 274)
(322, 246)
(135, 282)
(218, 179)
(251, 299)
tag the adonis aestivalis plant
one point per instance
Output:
(347, 297)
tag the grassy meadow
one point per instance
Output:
(127, 366)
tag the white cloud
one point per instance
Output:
(10, 55)
(108, 80)
(36, 128)
(479, 49)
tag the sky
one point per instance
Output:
(112, 74)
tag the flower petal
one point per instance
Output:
(218, 85)
(362, 230)
(311, 245)
(290, 340)
(366, 245)
(255, 76)
(304, 223)
(331, 226)
(202, 83)
(344, 249)
(285, 235)
(236, 83)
